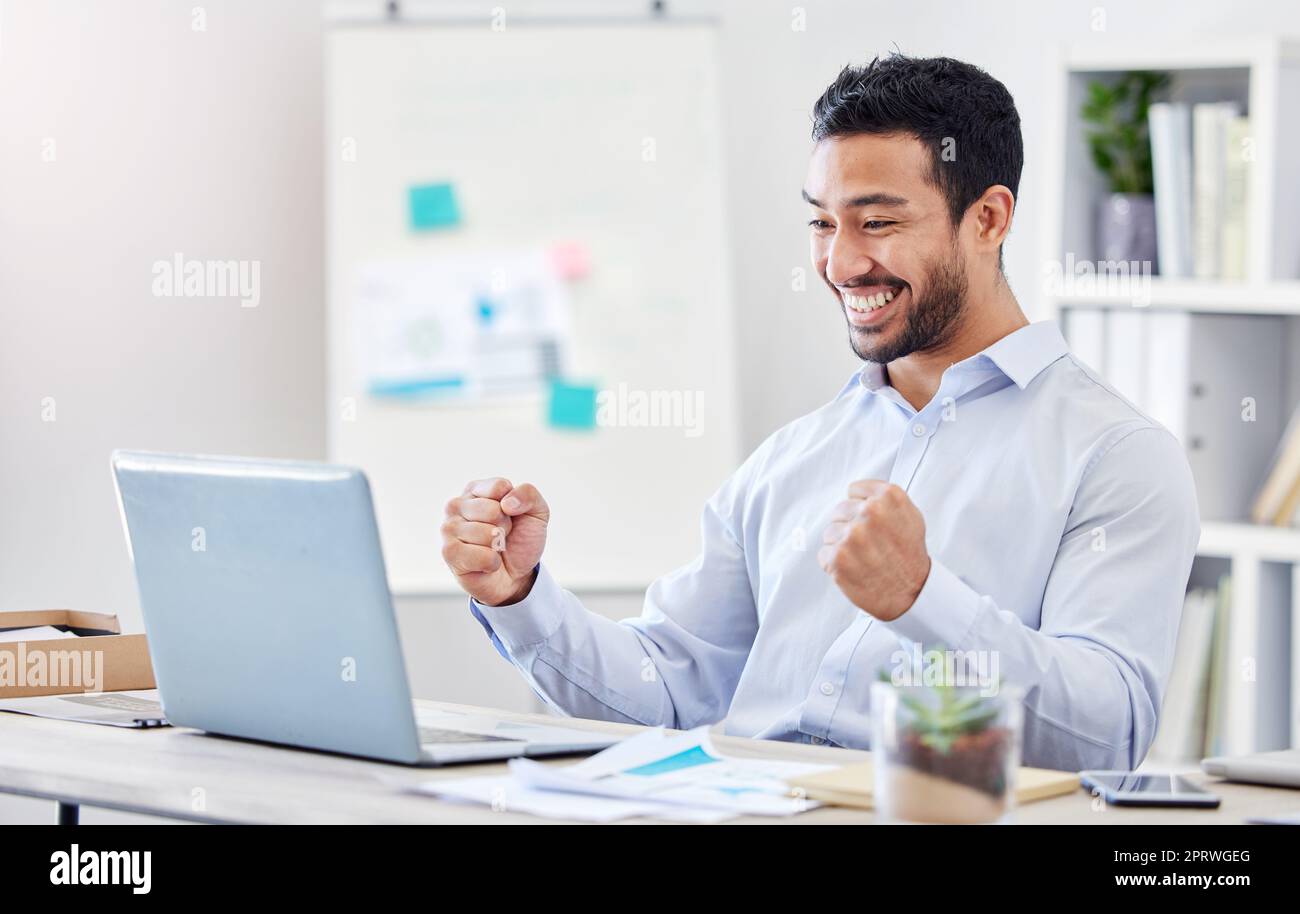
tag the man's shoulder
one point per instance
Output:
(1099, 423)
(1077, 395)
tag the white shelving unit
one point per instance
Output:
(1263, 75)
(1264, 563)
(1212, 297)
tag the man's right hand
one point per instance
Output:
(492, 539)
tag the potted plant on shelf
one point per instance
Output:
(1115, 118)
(945, 753)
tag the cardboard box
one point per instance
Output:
(99, 659)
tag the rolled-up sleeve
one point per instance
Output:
(1095, 670)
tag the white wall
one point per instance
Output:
(209, 143)
(165, 140)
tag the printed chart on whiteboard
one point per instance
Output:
(461, 328)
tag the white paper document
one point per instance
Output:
(504, 794)
(39, 633)
(667, 775)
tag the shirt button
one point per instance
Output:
(918, 430)
(828, 688)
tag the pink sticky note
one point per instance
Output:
(570, 259)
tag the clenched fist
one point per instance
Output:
(493, 538)
(875, 549)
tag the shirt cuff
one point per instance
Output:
(943, 613)
(532, 620)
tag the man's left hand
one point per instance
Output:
(875, 549)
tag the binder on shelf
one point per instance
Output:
(1168, 374)
(1126, 344)
(1085, 328)
(1216, 382)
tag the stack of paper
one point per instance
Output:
(657, 774)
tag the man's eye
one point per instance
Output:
(820, 224)
(875, 225)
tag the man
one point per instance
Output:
(974, 488)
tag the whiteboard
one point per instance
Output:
(606, 135)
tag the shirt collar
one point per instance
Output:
(1020, 355)
(1023, 354)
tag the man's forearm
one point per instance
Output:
(581, 663)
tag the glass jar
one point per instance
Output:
(945, 754)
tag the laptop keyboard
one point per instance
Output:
(437, 735)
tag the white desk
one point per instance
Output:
(182, 774)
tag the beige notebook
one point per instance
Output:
(852, 785)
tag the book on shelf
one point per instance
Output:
(1200, 159)
(1209, 173)
(1286, 515)
(1170, 129)
(1236, 196)
(1278, 499)
(1221, 680)
(1191, 712)
(1181, 734)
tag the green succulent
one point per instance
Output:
(1116, 115)
(943, 713)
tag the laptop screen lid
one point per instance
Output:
(266, 602)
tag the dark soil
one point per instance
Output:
(977, 760)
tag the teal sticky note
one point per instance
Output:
(571, 406)
(433, 206)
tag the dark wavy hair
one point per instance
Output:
(966, 118)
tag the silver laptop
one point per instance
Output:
(267, 609)
(1280, 768)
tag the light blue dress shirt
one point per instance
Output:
(1061, 523)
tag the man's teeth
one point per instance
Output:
(870, 302)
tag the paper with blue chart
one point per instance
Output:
(463, 328)
(678, 776)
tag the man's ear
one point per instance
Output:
(993, 213)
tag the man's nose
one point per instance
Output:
(845, 261)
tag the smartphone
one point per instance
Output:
(1127, 788)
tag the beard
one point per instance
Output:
(930, 323)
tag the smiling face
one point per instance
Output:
(883, 241)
